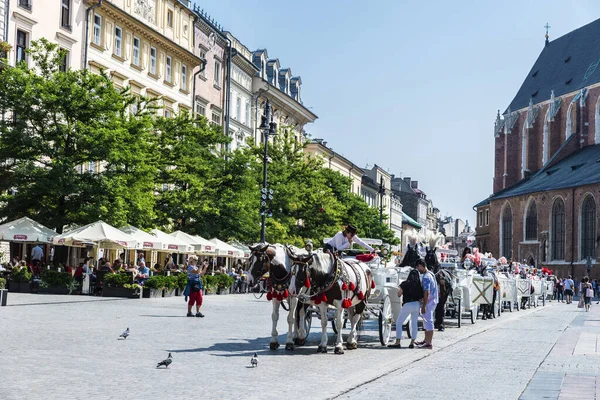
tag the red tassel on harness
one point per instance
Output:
(345, 303)
(352, 286)
(286, 294)
(372, 284)
(344, 286)
(360, 295)
(317, 301)
(324, 298)
(269, 296)
(307, 283)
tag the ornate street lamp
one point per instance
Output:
(268, 128)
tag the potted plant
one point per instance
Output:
(2, 283)
(3, 292)
(54, 282)
(153, 287)
(5, 47)
(120, 285)
(182, 281)
(171, 285)
(209, 283)
(224, 283)
(20, 280)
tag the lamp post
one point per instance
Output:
(381, 194)
(268, 128)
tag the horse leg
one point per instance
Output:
(291, 319)
(274, 345)
(299, 331)
(323, 344)
(354, 317)
(339, 319)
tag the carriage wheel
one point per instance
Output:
(518, 305)
(473, 316)
(307, 323)
(385, 321)
(544, 300)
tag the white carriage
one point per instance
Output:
(549, 288)
(508, 291)
(539, 290)
(523, 289)
(461, 300)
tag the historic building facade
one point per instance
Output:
(336, 162)
(414, 201)
(283, 90)
(3, 20)
(147, 45)
(546, 170)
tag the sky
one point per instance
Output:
(413, 87)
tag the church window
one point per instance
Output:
(506, 232)
(558, 230)
(531, 222)
(588, 228)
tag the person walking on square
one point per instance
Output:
(411, 291)
(587, 293)
(430, 301)
(195, 281)
(569, 285)
(560, 290)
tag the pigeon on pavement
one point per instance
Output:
(125, 334)
(166, 362)
(254, 360)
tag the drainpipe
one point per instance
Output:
(572, 231)
(6, 15)
(228, 89)
(87, 30)
(202, 68)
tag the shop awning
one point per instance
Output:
(25, 230)
(241, 247)
(171, 244)
(145, 240)
(201, 245)
(408, 220)
(98, 234)
(227, 250)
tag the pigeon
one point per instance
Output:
(254, 360)
(166, 362)
(125, 334)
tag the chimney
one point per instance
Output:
(414, 185)
(407, 180)
(393, 177)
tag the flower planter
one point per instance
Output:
(223, 291)
(169, 293)
(179, 292)
(3, 297)
(108, 291)
(19, 287)
(150, 293)
(54, 290)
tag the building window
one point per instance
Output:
(65, 15)
(201, 109)
(170, 19)
(64, 63)
(203, 57)
(168, 72)
(25, 4)
(217, 72)
(238, 109)
(480, 218)
(558, 230)
(118, 40)
(136, 51)
(588, 228)
(153, 60)
(487, 217)
(507, 232)
(97, 29)
(216, 118)
(135, 106)
(183, 77)
(531, 222)
(168, 113)
(247, 121)
(546, 139)
(275, 76)
(91, 167)
(21, 47)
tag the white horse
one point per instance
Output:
(322, 281)
(275, 260)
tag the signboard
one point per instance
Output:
(172, 247)
(229, 252)
(148, 245)
(20, 237)
(208, 248)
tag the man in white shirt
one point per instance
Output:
(569, 285)
(344, 239)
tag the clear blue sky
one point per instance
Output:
(411, 86)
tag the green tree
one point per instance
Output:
(57, 124)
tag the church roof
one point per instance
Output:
(566, 64)
(579, 169)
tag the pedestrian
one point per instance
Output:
(411, 291)
(560, 290)
(594, 286)
(569, 285)
(195, 281)
(430, 301)
(587, 293)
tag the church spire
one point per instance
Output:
(547, 35)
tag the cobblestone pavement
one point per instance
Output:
(66, 347)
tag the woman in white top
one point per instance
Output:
(344, 239)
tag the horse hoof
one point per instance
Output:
(351, 346)
(289, 346)
(273, 346)
(339, 350)
(322, 349)
(299, 342)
